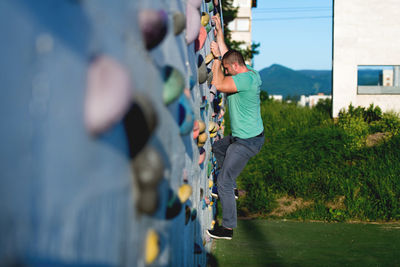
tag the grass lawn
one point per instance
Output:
(288, 243)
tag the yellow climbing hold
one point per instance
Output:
(184, 192)
(209, 58)
(202, 139)
(205, 18)
(202, 126)
(212, 224)
(210, 183)
(213, 127)
(152, 246)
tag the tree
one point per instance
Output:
(263, 96)
(229, 14)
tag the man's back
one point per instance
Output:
(244, 106)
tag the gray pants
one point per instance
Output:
(232, 155)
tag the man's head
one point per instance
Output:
(233, 62)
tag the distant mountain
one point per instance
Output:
(280, 80)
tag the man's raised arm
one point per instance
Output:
(219, 34)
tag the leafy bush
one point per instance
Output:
(390, 123)
(325, 106)
(308, 156)
(356, 129)
(369, 115)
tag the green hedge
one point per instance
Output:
(308, 156)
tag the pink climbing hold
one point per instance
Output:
(196, 129)
(195, 3)
(201, 39)
(221, 114)
(108, 94)
(192, 23)
(153, 25)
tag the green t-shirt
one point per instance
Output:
(244, 106)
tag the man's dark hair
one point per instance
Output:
(233, 56)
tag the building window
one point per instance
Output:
(243, 24)
(241, 3)
(378, 80)
(240, 25)
(231, 26)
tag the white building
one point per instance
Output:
(365, 33)
(241, 25)
(312, 100)
(276, 97)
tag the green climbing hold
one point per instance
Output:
(174, 84)
(210, 6)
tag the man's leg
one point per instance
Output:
(219, 149)
(236, 159)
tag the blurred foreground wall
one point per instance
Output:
(97, 133)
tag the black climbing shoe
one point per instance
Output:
(221, 233)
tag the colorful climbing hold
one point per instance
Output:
(201, 140)
(201, 39)
(152, 248)
(184, 192)
(210, 6)
(202, 126)
(209, 58)
(108, 94)
(196, 129)
(202, 72)
(148, 167)
(147, 202)
(195, 3)
(192, 23)
(186, 115)
(173, 84)
(208, 28)
(205, 18)
(153, 25)
(174, 205)
(213, 127)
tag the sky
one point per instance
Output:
(294, 33)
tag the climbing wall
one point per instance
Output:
(108, 116)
